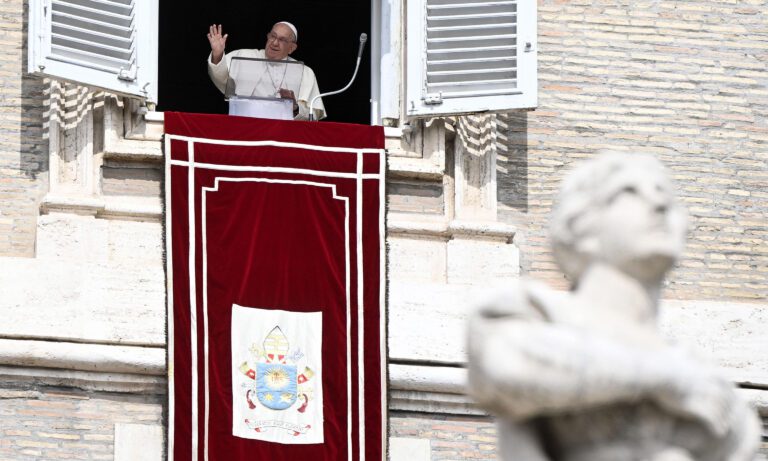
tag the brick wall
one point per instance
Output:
(450, 437)
(50, 423)
(686, 81)
(23, 158)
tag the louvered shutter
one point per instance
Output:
(468, 56)
(109, 44)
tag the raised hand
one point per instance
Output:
(218, 43)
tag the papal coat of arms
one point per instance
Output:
(276, 376)
(277, 390)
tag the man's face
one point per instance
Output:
(280, 42)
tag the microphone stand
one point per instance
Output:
(363, 39)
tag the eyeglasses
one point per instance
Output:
(281, 40)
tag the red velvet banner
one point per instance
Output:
(276, 273)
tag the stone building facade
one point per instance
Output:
(82, 292)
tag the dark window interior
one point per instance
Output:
(329, 33)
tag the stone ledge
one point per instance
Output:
(133, 150)
(115, 207)
(431, 402)
(398, 224)
(431, 389)
(440, 389)
(426, 378)
(83, 356)
(80, 205)
(413, 168)
(493, 230)
(85, 380)
(124, 207)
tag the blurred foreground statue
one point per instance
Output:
(586, 375)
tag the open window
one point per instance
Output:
(109, 44)
(461, 56)
(328, 42)
(468, 56)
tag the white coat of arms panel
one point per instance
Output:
(277, 388)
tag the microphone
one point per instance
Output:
(363, 39)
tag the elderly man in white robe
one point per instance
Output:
(281, 42)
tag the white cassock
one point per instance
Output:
(308, 89)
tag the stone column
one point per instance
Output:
(481, 248)
(72, 132)
(475, 168)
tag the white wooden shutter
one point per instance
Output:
(468, 56)
(109, 44)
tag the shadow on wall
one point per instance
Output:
(512, 166)
(33, 131)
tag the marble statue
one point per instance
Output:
(586, 375)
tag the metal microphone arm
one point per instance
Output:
(363, 39)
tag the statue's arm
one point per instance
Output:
(523, 367)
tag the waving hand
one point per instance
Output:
(217, 41)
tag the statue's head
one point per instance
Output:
(618, 209)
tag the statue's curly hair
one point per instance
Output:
(583, 195)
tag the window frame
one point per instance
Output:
(145, 83)
(415, 49)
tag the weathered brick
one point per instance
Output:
(63, 435)
(18, 121)
(47, 435)
(35, 443)
(679, 93)
(451, 437)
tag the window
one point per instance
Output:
(329, 51)
(109, 44)
(470, 56)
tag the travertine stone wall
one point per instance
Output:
(686, 81)
(23, 148)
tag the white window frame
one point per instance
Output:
(386, 62)
(416, 104)
(143, 85)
